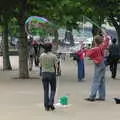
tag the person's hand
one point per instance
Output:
(85, 50)
(104, 32)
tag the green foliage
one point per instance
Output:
(63, 12)
(13, 27)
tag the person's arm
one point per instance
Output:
(79, 53)
(55, 63)
(105, 42)
(110, 49)
(40, 59)
(90, 52)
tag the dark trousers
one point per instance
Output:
(36, 57)
(59, 68)
(49, 85)
(113, 66)
(36, 60)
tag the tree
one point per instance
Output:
(94, 13)
(99, 10)
(4, 19)
(113, 15)
(5, 47)
(22, 11)
(69, 12)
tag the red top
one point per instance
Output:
(97, 53)
(80, 54)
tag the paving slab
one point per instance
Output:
(23, 99)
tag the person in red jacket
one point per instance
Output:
(97, 55)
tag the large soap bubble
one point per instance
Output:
(36, 25)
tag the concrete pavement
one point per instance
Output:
(23, 99)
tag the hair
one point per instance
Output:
(114, 40)
(48, 47)
(98, 39)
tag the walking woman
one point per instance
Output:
(48, 63)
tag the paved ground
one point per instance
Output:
(23, 99)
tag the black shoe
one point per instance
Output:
(58, 73)
(113, 76)
(47, 108)
(117, 100)
(90, 99)
(100, 99)
(52, 107)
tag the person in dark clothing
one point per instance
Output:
(58, 71)
(114, 55)
(31, 54)
(36, 49)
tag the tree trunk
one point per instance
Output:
(23, 51)
(69, 36)
(23, 54)
(116, 24)
(5, 48)
(55, 36)
(95, 30)
(55, 40)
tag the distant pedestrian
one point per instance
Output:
(48, 63)
(31, 54)
(97, 55)
(80, 65)
(80, 62)
(114, 56)
(58, 70)
(36, 49)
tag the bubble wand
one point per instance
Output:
(101, 28)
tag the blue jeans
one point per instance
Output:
(98, 83)
(81, 71)
(49, 85)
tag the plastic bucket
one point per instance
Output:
(63, 100)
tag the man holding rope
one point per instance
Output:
(97, 55)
